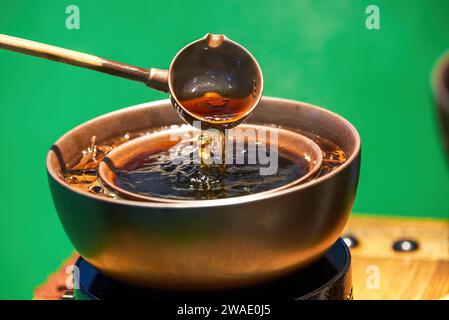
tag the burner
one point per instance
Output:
(329, 278)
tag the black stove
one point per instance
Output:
(329, 278)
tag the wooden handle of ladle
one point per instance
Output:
(154, 78)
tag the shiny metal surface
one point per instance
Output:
(207, 244)
(329, 278)
(215, 80)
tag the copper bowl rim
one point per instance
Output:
(107, 175)
(216, 202)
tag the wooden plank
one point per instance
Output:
(57, 283)
(376, 236)
(423, 274)
(400, 279)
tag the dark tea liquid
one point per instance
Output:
(157, 175)
(84, 175)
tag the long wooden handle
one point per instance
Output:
(155, 78)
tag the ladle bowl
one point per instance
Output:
(289, 143)
(207, 244)
(216, 81)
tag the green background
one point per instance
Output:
(315, 51)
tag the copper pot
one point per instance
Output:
(207, 244)
(440, 86)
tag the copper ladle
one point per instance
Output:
(214, 80)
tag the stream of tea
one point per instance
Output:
(157, 175)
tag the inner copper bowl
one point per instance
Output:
(207, 244)
(292, 144)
